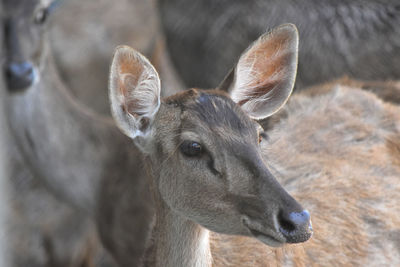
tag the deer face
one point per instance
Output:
(205, 145)
(24, 22)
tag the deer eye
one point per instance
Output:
(40, 16)
(191, 148)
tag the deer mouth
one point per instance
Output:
(267, 236)
(267, 239)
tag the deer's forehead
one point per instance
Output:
(217, 113)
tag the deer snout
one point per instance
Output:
(295, 226)
(19, 75)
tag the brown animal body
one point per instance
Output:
(339, 154)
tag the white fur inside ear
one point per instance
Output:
(134, 91)
(247, 77)
(245, 90)
(146, 92)
(265, 74)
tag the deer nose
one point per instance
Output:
(19, 75)
(295, 226)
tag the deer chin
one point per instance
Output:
(269, 240)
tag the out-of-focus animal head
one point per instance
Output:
(24, 28)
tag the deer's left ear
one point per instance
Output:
(264, 76)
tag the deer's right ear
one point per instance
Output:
(134, 91)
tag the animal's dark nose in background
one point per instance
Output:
(295, 226)
(19, 75)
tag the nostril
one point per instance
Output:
(285, 223)
(295, 226)
(20, 75)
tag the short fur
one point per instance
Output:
(359, 38)
(338, 153)
(78, 157)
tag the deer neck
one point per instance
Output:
(51, 129)
(179, 241)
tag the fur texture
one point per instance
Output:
(358, 38)
(338, 154)
(78, 157)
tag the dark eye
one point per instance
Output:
(40, 16)
(191, 148)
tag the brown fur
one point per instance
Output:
(81, 161)
(339, 155)
(386, 90)
(393, 145)
(82, 46)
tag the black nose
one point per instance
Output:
(19, 75)
(295, 226)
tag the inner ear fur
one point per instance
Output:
(134, 91)
(264, 76)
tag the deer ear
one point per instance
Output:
(264, 76)
(134, 91)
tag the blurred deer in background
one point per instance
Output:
(80, 157)
(131, 22)
(355, 38)
(122, 21)
(212, 167)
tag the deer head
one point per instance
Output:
(24, 26)
(204, 145)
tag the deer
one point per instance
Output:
(212, 167)
(79, 158)
(358, 38)
(133, 22)
(202, 151)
